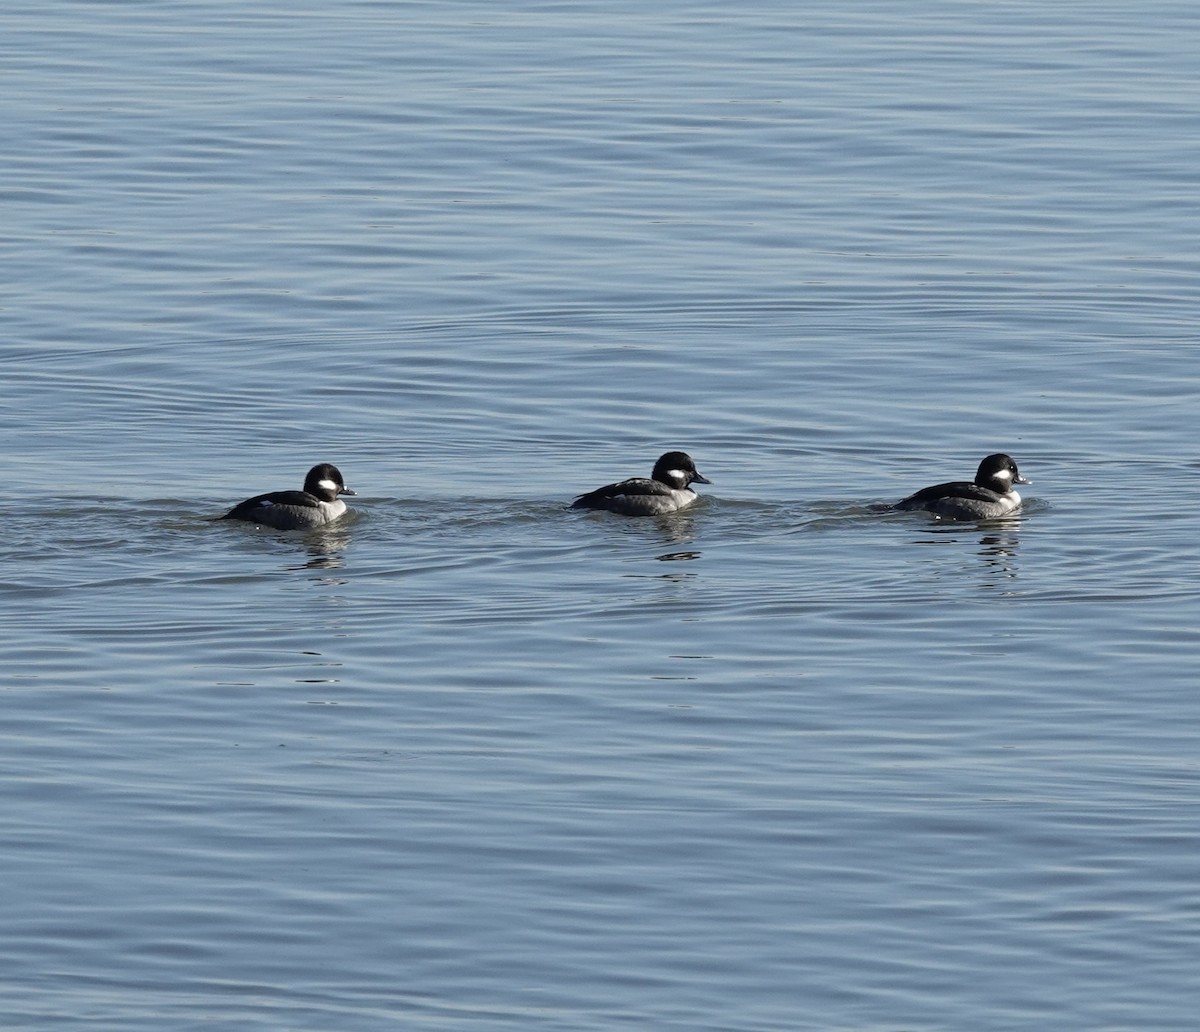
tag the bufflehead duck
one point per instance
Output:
(666, 491)
(990, 496)
(315, 506)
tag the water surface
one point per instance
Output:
(471, 760)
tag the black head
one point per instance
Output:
(325, 482)
(677, 469)
(998, 472)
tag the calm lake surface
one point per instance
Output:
(469, 760)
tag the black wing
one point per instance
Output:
(962, 490)
(626, 488)
(245, 510)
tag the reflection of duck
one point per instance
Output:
(328, 558)
(998, 546)
(665, 491)
(998, 552)
(315, 506)
(677, 557)
(990, 495)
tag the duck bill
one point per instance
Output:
(700, 478)
(347, 491)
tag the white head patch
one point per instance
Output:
(677, 474)
(1003, 474)
(328, 485)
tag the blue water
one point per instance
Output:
(470, 760)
